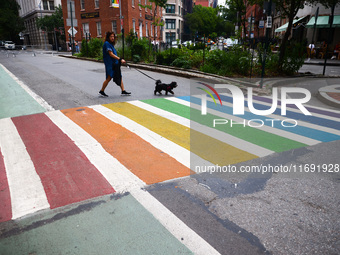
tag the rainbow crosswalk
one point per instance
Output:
(52, 159)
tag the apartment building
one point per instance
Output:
(30, 11)
(93, 18)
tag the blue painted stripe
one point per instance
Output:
(293, 115)
(300, 130)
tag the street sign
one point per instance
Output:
(70, 31)
(269, 21)
(261, 24)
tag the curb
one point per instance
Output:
(323, 95)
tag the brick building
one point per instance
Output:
(95, 17)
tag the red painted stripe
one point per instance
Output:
(66, 173)
(5, 196)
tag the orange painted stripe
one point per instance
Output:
(150, 164)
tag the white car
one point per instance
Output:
(9, 45)
(228, 43)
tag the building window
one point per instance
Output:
(140, 30)
(114, 26)
(146, 29)
(170, 37)
(151, 30)
(170, 23)
(179, 10)
(86, 29)
(133, 3)
(99, 29)
(139, 3)
(134, 25)
(82, 4)
(96, 3)
(170, 8)
(48, 5)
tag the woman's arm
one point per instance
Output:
(115, 56)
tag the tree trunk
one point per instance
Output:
(285, 38)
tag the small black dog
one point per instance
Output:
(167, 87)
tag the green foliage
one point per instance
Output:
(205, 20)
(293, 59)
(53, 21)
(11, 24)
(92, 49)
(140, 47)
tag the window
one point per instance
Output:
(45, 5)
(140, 29)
(170, 37)
(179, 10)
(99, 29)
(82, 4)
(151, 30)
(133, 3)
(114, 26)
(140, 2)
(134, 25)
(170, 23)
(96, 3)
(170, 8)
(146, 29)
(86, 29)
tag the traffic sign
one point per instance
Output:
(70, 31)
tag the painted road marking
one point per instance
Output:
(206, 147)
(158, 107)
(27, 192)
(141, 158)
(16, 91)
(122, 180)
(259, 137)
(299, 129)
(66, 174)
(5, 196)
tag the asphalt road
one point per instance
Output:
(235, 213)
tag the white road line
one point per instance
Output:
(290, 108)
(26, 190)
(122, 180)
(301, 122)
(174, 150)
(37, 98)
(279, 132)
(115, 173)
(219, 135)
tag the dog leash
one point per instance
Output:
(142, 73)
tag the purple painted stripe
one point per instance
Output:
(324, 112)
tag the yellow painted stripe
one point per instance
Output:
(150, 164)
(202, 145)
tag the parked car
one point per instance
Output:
(174, 44)
(9, 45)
(229, 42)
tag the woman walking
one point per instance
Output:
(112, 64)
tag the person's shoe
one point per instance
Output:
(126, 93)
(333, 57)
(102, 93)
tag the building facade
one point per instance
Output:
(93, 18)
(30, 11)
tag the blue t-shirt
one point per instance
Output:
(108, 61)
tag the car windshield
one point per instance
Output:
(9, 42)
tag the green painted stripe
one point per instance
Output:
(106, 225)
(14, 100)
(253, 135)
(201, 144)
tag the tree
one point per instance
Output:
(205, 21)
(52, 23)
(156, 20)
(11, 24)
(289, 9)
(236, 12)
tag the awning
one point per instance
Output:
(285, 26)
(322, 22)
